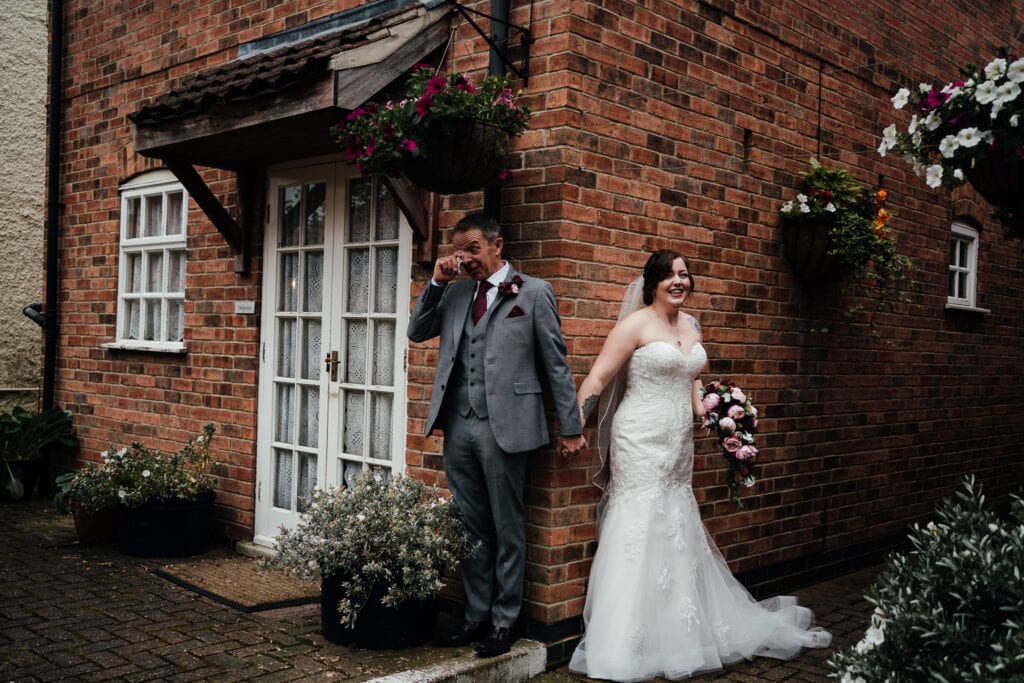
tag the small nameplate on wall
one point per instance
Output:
(245, 307)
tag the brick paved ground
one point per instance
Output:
(69, 612)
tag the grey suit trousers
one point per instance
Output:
(488, 487)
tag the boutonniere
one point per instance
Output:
(511, 286)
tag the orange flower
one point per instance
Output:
(880, 197)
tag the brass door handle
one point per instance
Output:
(331, 360)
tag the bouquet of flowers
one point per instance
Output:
(732, 418)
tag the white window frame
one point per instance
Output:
(168, 245)
(966, 300)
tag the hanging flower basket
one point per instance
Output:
(806, 247)
(1000, 180)
(458, 157)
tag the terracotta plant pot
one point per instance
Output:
(94, 528)
(458, 157)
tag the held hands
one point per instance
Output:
(447, 268)
(570, 446)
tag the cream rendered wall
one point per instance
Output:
(23, 54)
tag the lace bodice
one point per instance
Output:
(652, 432)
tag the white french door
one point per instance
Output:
(337, 269)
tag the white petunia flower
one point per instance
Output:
(932, 121)
(1015, 72)
(986, 92)
(969, 137)
(995, 69)
(830, 207)
(924, 88)
(958, 174)
(900, 99)
(804, 208)
(914, 123)
(1014, 120)
(1007, 93)
(948, 146)
(933, 175)
(787, 207)
(802, 198)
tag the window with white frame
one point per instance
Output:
(151, 273)
(963, 267)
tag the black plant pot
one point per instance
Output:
(177, 528)
(458, 157)
(1000, 181)
(806, 247)
(378, 627)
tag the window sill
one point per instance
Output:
(149, 347)
(967, 308)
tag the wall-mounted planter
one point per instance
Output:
(806, 248)
(1001, 183)
(458, 157)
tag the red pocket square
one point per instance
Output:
(515, 312)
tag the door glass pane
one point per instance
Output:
(359, 210)
(386, 291)
(354, 412)
(307, 479)
(358, 280)
(286, 348)
(309, 417)
(314, 284)
(311, 337)
(291, 215)
(282, 479)
(355, 352)
(387, 214)
(285, 405)
(287, 299)
(384, 353)
(381, 427)
(316, 212)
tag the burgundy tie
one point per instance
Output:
(480, 302)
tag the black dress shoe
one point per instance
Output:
(498, 643)
(465, 633)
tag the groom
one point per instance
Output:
(500, 336)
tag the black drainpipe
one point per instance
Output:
(496, 65)
(52, 328)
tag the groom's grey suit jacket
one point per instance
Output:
(522, 340)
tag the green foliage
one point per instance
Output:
(386, 531)
(951, 610)
(857, 223)
(142, 475)
(379, 137)
(28, 435)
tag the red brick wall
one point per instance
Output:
(657, 124)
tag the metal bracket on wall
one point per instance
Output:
(525, 40)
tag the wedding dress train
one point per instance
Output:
(661, 600)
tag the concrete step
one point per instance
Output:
(528, 658)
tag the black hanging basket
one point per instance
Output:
(806, 246)
(458, 157)
(1000, 180)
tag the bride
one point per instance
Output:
(661, 600)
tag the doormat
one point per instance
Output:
(237, 581)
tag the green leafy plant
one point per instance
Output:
(952, 609)
(857, 224)
(90, 490)
(394, 532)
(379, 138)
(27, 435)
(976, 119)
(143, 475)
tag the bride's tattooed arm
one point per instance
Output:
(587, 407)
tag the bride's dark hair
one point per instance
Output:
(658, 267)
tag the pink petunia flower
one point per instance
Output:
(408, 145)
(436, 85)
(423, 105)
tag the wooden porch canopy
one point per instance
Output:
(278, 106)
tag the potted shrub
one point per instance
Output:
(970, 130)
(90, 496)
(446, 134)
(379, 548)
(952, 609)
(26, 437)
(837, 230)
(165, 498)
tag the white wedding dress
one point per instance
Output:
(661, 600)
